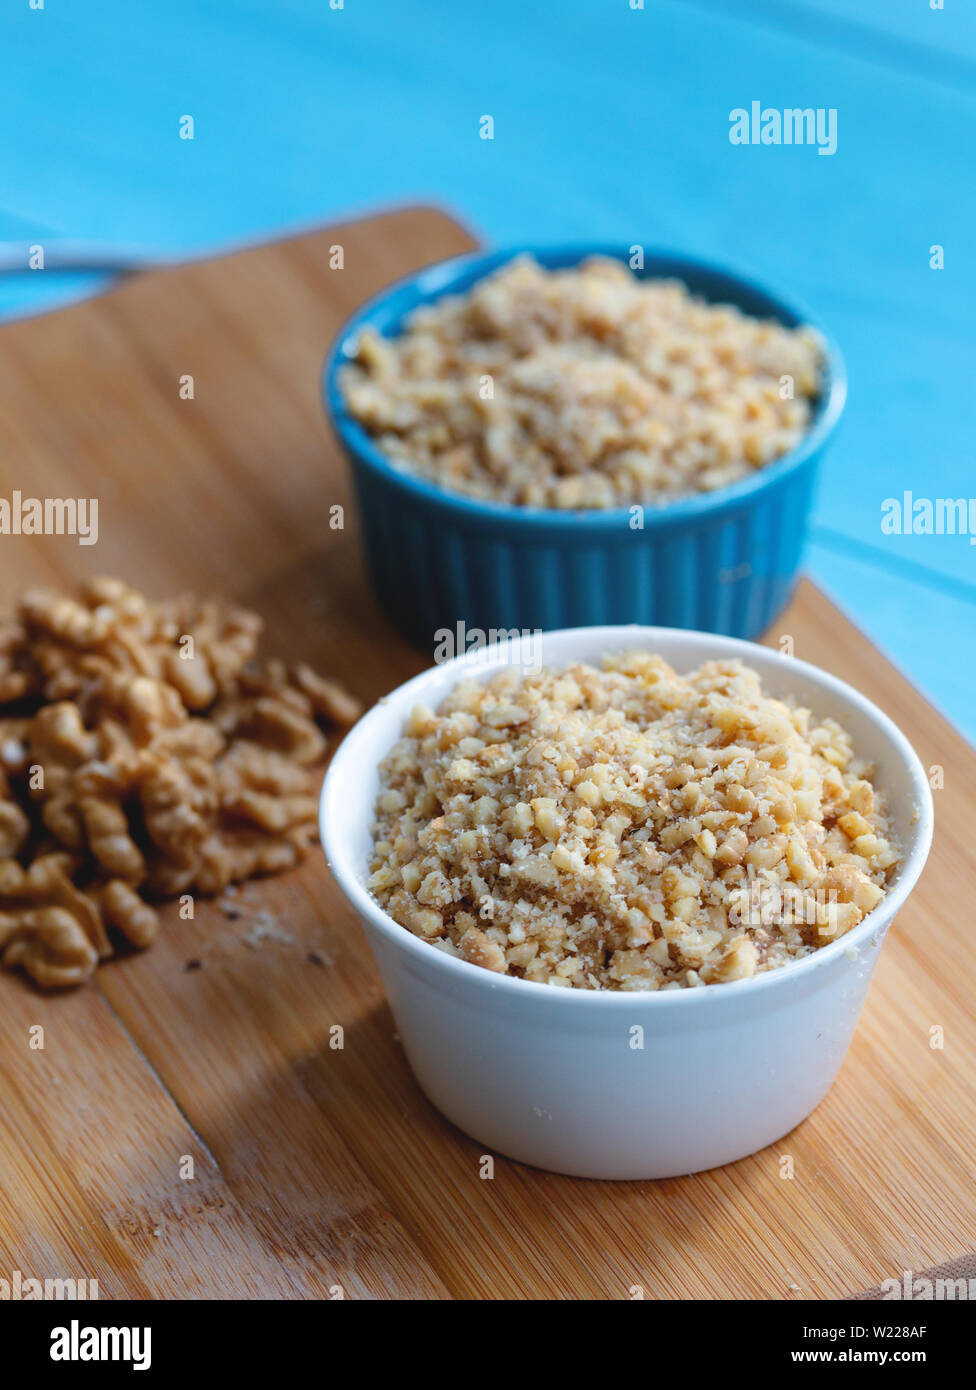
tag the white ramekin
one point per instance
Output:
(555, 1077)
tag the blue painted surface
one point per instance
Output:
(610, 124)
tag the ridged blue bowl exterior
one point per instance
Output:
(731, 575)
(724, 562)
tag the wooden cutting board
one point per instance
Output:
(314, 1169)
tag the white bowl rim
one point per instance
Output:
(476, 664)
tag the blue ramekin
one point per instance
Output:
(723, 561)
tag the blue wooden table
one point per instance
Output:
(610, 122)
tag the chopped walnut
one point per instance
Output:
(607, 389)
(628, 828)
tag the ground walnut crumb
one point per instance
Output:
(583, 388)
(627, 827)
(145, 752)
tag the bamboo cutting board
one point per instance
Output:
(318, 1170)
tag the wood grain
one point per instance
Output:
(315, 1168)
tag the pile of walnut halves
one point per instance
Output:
(144, 754)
